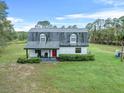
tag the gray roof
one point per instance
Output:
(39, 45)
(56, 30)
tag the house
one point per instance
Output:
(49, 43)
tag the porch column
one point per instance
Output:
(26, 53)
(49, 53)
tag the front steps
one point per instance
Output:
(48, 59)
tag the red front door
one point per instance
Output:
(54, 53)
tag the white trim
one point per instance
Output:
(73, 39)
(43, 36)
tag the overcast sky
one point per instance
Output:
(24, 14)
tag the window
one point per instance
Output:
(73, 38)
(77, 50)
(43, 37)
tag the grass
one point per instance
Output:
(12, 52)
(104, 75)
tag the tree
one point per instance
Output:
(44, 24)
(99, 23)
(3, 8)
(7, 32)
(109, 31)
(108, 23)
(63, 27)
(74, 27)
(54, 27)
(121, 37)
(103, 31)
(3, 14)
(69, 27)
(89, 26)
(22, 35)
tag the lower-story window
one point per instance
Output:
(77, 50)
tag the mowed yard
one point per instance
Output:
(104, 75)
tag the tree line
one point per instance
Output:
(106, 31)
(7, 32)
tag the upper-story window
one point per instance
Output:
(43, 37)
(73, 39)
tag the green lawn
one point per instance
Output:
(104, 75)
(12, 52)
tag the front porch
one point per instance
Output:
(42, 50)
(42, 53)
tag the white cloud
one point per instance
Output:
(15, 20)
(72, 16)
(24, 26)
(101, 14)
(20, 24)
(112, 2)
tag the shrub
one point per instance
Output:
(34, 60)
(76, 57)
(22, 60)
(31, 60)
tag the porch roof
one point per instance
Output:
(39, 45)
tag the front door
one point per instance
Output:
(38, 52)
(46, 55)
(54, 53)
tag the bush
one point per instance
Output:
(76, 57)
(22, 60)
(34, 60)
(31, 60)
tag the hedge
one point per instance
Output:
(76, 57)
(31, 60)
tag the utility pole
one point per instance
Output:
(122, 51)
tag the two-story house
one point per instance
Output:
(52, 42)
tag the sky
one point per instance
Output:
(24, 14)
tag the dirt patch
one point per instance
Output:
(26, 78)
(21, 71)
